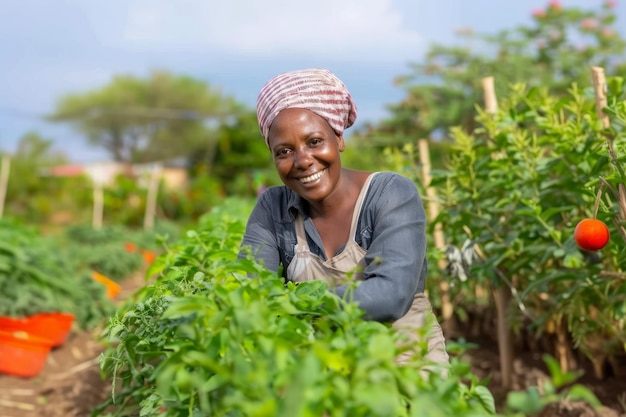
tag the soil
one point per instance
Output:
(70, 384)
(530, 370)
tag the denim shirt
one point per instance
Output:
(391, 228)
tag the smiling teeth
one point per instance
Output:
(312, 177)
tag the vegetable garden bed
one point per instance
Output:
(70, 384)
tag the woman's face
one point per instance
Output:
(306, 153)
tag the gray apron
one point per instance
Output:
(307, 266)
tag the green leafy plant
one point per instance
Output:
(37, 277)
(220, 335)
(612, 186)
(515, 189)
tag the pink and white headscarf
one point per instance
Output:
(315, 89)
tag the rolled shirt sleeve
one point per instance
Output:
(396, 257)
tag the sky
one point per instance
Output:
(50, 48)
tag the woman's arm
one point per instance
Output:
(396, 257)
(260, 234)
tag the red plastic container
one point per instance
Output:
(22, 354)
(50, 326)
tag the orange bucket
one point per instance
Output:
(51, 326)
(22, 354)
(54, 326)
(112, 287)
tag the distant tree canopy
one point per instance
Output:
(557, 49)
(145, 120)
(31, 193)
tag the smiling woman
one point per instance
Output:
(336, 224)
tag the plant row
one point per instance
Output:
(509, 201)
(49, 284)
(217, 334)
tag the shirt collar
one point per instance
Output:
(295, 204)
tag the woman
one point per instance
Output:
(334, 223)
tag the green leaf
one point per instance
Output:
(559, 378)
(486, 398)
(581, 393)
(382, 347)
(527, 402)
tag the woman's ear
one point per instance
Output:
(340, 143)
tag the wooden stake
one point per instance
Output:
(489, 94)
(502, 298)
(433, 211)
(4, 181)
(431, 194)
(502, 295)
(151, 199)
(599, 86)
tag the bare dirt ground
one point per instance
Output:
(70, 384)
(529, 370)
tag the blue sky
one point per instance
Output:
(51, 48)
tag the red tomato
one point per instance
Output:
(591, 234)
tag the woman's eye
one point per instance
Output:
(315, 141)
(282, 152)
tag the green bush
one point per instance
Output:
(222, 336)
(38, 275)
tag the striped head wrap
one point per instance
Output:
(315, 89)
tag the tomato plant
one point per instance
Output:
(515, 188)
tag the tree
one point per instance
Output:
(33, 195)
(144, 120)
(555, 51)
(242, 152)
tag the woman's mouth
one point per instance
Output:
(312, 178)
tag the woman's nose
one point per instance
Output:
(303, 159)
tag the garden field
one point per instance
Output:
(194, 276)
(527, 275)
(70, 384)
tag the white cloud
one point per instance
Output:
(362, 30)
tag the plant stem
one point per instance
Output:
(597, 203)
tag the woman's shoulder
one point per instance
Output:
(389, 181)
(391, 191)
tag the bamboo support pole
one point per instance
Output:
(151, 199)
(489, 94)
(439, 240)
(4, 181)
(502, 295)
(599, 85)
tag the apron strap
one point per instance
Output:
(359, 204)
